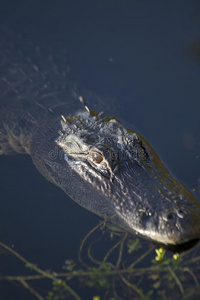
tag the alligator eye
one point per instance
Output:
(97, 157)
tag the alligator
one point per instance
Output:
(103, 166)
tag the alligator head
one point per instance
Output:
(111, 170)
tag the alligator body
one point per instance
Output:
(103, 166)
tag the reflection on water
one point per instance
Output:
(134, 52)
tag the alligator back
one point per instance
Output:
(33, 90)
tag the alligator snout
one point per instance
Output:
(179, 226)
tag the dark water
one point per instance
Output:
(136, 52)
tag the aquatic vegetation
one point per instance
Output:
(160, 254)
(121, 268)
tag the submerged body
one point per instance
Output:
(103, 166)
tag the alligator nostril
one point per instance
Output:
(170, 216)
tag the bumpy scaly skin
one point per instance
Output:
(103, 166)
